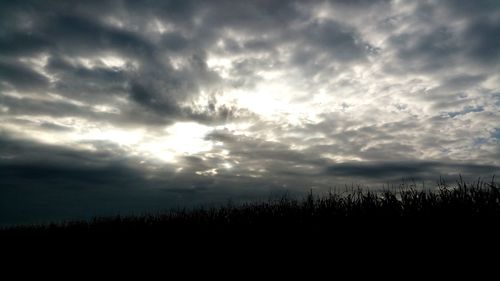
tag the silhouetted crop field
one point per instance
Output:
(455, 205)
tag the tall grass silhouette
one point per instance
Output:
(479, 200)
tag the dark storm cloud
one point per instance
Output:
(418, 170)
(18, 43)
(340, 42)
(73, 30)
(20, 77)
(447, 34)
(69, 32)
(485, 43)
(426, 51)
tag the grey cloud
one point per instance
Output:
(466, 110)
(36, 107)
(339, 41)
(430, 51)
(73, 33)
(477, 9)
(217, 114)
(257, 156)
(447, 34)
(100, 74)
(21, 77)
(151, 99)
(483, 37)
(279, 163)
(20, 43)
(418, 170)
(49, 126)
(175, 42)
(462, 82)
(253, 16)
(459, 91)
(72, 30)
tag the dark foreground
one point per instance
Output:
(461, 206)
(458, 223)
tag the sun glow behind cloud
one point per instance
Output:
(180, 139)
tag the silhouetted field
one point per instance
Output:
(462, 207)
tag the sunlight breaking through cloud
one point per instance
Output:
(182, 138)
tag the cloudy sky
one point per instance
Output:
(127, 106)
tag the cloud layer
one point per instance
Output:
(110, 106)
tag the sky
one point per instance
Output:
(111, 107)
